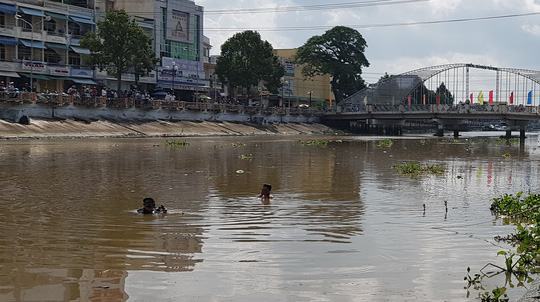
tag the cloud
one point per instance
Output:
(405, 64)
(531, 29)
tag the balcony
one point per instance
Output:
(7, 31)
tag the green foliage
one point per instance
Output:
(120, 45)
(417, 169)
(524, 212)
(340, 53)
(247, 60)
(507, 142)
(385, 143)
(315, 143)
(496, 295)
(177, 143)
(445, 94)
(246, 156)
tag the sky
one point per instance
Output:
(513, 42)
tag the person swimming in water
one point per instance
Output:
(265, 194)
(149, 207)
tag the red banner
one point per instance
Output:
(491, 97)
(512, 98)
(438, 100)
(409, 101)
(472, 98)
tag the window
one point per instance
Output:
(52, 56)
(109, 6)
(2, 20)
(24, 53)
(26, 23)
(2, 52)
(74, 59)
(49, 26)
(74, 29)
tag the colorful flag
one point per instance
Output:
(424, 99)
(512, 98)
(481, 98)
(472, 98)
(530, 98)
(438, 100)
(409, 101)
(491, 97)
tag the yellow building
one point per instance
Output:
(298, 88)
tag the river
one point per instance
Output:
(342, 225)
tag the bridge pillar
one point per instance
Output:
(522, 135)
(439, 132)
(508, 134)
(456, 133)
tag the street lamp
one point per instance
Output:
(19, 18)
(174, 69)
(310, 93)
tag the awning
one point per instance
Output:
(33, 44)
(146, 25)
(8, 9)
(56, 16)
(56, 46)
(9, 74)
(83, 81)
(82, 20)
(80, 50)
(32, 12)
(35, 76)
(7, 40)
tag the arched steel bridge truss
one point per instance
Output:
(523, 80)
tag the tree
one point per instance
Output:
(445, 94)
(340, 53)
(246, 60)
(120, 45)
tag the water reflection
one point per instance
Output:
(341, 219)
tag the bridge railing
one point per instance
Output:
(61, 100)
(442, 108)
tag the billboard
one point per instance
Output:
(178, 26)
(186, 68)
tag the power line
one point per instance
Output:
(286, 9)
(381, 25)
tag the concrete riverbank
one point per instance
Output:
(41, 128)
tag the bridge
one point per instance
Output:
(446, 97)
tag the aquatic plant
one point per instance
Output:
(417, 169)
(176, 143)
(315, 143)
(507, 141)
(385, 143)
(523, 260)
(238, 145)
(246, 156)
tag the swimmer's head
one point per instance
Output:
(268, 187)
(149, 203)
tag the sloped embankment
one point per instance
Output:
(72, 128)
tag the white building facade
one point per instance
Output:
(40, 44)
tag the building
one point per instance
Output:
(298, 89)
(176, 28)
(40, 43)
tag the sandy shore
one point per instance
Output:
(81, 129)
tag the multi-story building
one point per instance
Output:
(176, 28)
(297, 89)
(40, 43)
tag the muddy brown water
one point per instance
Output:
(342, 226)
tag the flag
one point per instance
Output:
(438, 100)
(491, 97)
(530, 98)
(424, 99)
(481, 98)
(472, 98)
(512, 98)
(409, 101)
